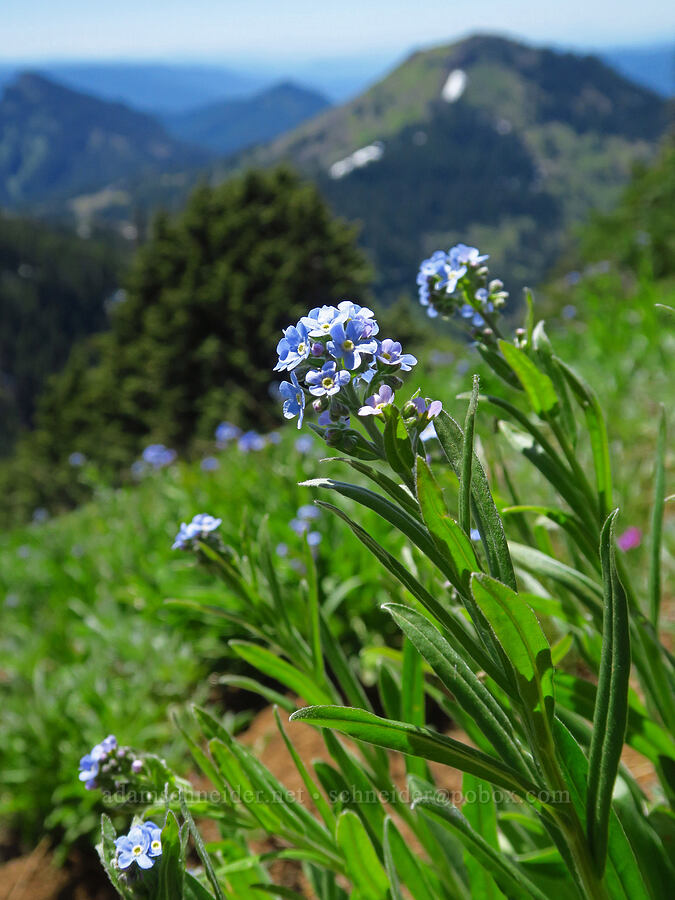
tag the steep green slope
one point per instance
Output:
(487, 139)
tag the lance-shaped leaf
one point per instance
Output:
(597, 432)
(509, 876)
(364, 869)
(455, 626)
(469, 691)
(538, 386)
(622, 878)
(485, 513)
(480, 812)
(611, 704)
(544, 350)
(398, 494)
(271, 665)
(657, 522)
(467, 459)
(451, 540)
(519, 632)
(397, 445)
(410, 739)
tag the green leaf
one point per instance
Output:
(470, 692)
(540, 564)
(398, 494)
(390, 512)
(642, 733)
(569, 522)
(313, 789)
(499, 366)
(454, 626)
(481, 814)
(511, 879)
(271, 665)
(194, 890)
(538, 386)
(172, 865)
(485, 512)
(611, 704)
(520, 634)
(365, 726)
(412, 700)
(451, 540)
(364, 869)
(467, 458)
(397, 446)
(398, 857)
(654, 589)
(623, 878)
(597, 432)
(544, 351)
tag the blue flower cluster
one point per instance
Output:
(158, 456)
(142, 845)
(198, 529)
(331, 349)
(457, 281)
(92, 761)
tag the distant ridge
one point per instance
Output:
(231, 125)
(55, 142)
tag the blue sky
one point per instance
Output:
(222, 30)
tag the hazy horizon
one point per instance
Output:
(261, 34)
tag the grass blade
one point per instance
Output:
(657, 523)
(611, 704)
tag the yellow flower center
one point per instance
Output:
(155, 845)
(327, 382)
(301, 347)
(348, 345)
(137, 850)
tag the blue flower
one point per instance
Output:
(389, 353)
(326, 381)
(376, 404)
(461, 255)
(350, 342)
(251, 440)
(109, 744)
(90, 762)
(226, 432)
(318, 321)
(293, 348)
(304, 444)
(308, 512)
(349, 311)
(154, 833)
(198, 529)
(209, 464)
(77, 459)
(468, 312)
(474, 534)
(294, 398)
(134, 847)
(158, 456)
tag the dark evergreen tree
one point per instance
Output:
(194, 341)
